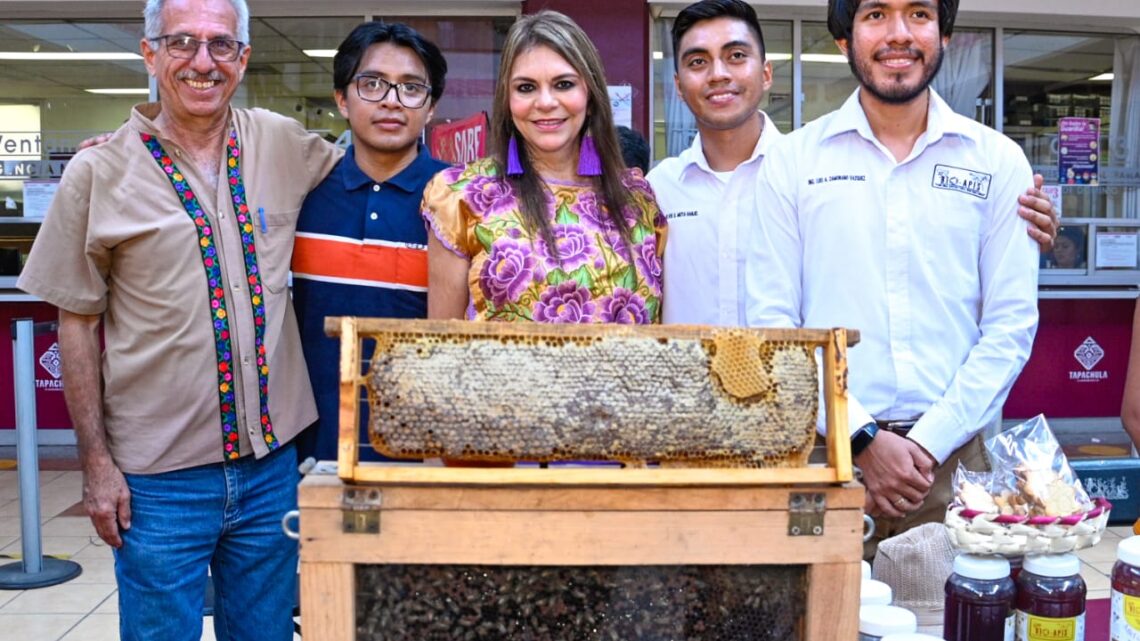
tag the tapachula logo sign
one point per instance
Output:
(1088, 354)
(49, 360)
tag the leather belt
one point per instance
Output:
(900, 427)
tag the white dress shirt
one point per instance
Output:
(926, 257)
(710, 220)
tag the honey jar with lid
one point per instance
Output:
(979, 600)
(1051, 599)
(1125, 621)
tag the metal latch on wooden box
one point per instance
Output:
(360, 509)
(805, 514)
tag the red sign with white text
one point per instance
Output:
(1079, 361)
(460, 141)
(51, 411)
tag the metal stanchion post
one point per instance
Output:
(34, 570)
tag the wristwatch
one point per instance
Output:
(862, 438)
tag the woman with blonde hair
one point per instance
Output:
(553, 227)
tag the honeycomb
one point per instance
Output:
(716, 398)
(646, 603)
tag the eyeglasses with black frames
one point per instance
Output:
(412, 95)
(185, 47)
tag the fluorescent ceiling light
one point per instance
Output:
(834, 58)
(1106, 77)
(319, 53)
(70, 56)
(658, 55)
(120, 92)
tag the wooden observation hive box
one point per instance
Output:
(713, 528)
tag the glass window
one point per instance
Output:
(1070, 250)
(965, 80)
(62, 82)
(673, 123)
(290, 69)
(828, 81)
(1073, 103)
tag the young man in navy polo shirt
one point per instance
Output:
(361, 247)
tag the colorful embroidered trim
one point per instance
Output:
(217, 292)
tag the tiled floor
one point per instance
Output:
(83, 609)
(86, 608)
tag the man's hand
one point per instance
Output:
(106, 499)
(1037, 208)
(94, 141)
(897, 474)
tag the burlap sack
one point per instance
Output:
(916, 565)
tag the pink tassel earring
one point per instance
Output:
(589, 163)
(514, 167)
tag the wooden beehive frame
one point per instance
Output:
(352, 331)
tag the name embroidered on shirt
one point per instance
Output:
(967, 181)
(841, 178)
(680, 214)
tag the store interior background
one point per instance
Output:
(1018, 69)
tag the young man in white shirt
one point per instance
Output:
(709, 191)
(892, 215)
(722, 75)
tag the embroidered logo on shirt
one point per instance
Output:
(840, 178)
(967, 181)
(680, 214)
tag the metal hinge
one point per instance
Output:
(805, 514)
(360, 509)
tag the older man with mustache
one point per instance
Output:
(174, 237)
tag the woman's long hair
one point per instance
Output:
(563, 36)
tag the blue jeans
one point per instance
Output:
(225, 517)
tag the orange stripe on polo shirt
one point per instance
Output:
(388, 264)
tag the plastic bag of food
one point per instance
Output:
(1031, 476)
(1028, 461)
(975, 490)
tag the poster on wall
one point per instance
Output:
(1116, 250)
(1079, 151)
(460, 141)
(38, 195)
(621, 101)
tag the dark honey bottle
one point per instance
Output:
(1125, 619)
(1051, 599)
(979, 600)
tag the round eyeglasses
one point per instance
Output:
(412, 95)
(185, 47)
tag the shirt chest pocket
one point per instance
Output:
(958, 216)
(273, 233)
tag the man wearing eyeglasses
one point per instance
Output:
(361, 245)
(174, 237)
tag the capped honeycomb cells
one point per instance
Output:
(729, 399)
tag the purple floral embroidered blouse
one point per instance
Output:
(599, 278)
